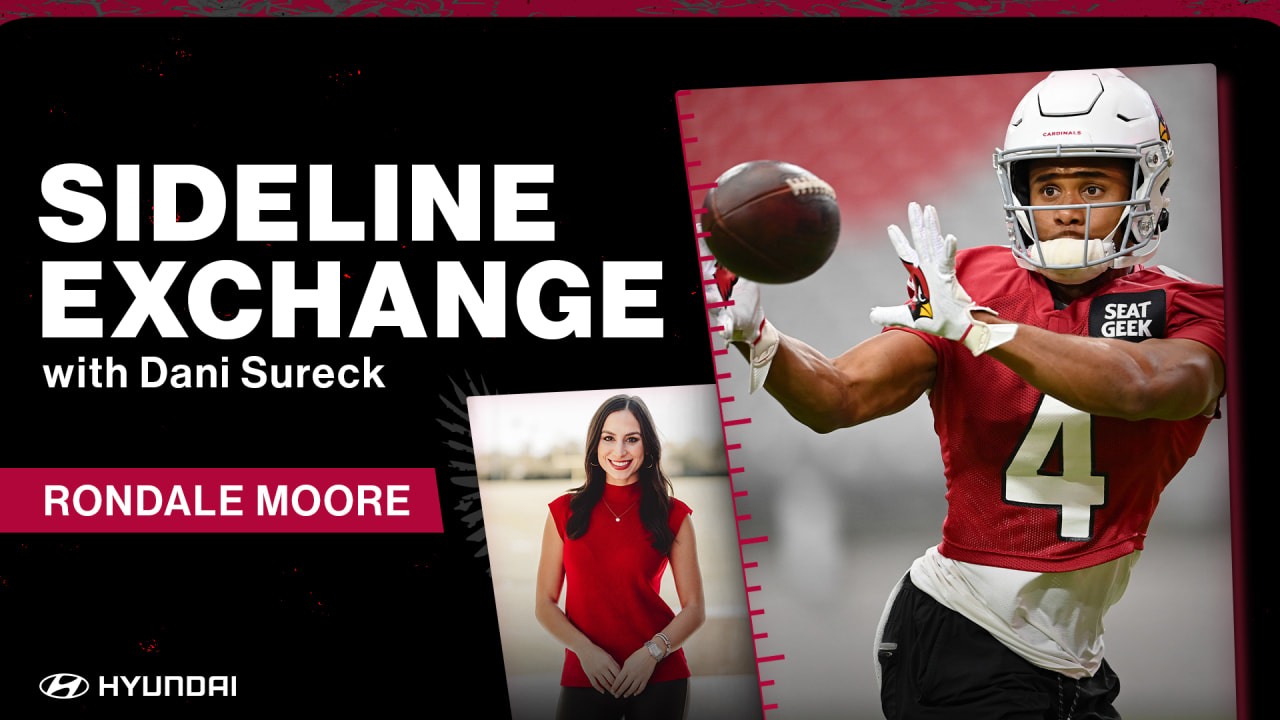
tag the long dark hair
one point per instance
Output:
(655, 486)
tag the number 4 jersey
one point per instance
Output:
(1033, 484)
(1048, 506)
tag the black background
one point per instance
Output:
(323, 623)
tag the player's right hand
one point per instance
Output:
(734, 303)
(741, 319)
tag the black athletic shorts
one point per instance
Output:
(935, 664)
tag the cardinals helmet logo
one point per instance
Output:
(1164, 129)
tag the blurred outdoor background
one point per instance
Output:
(529, 450)
(846, 513)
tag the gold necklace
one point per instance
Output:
(618, 517)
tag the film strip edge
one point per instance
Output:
(688, 143)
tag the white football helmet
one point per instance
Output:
(1087, 113)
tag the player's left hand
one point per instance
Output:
(635, 674)
(938, 305)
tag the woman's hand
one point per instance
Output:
(635, 674)
(601, 669)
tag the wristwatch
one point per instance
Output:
(654, 650)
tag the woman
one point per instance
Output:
(612, 539)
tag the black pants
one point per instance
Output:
(937, 664)
(658, 701)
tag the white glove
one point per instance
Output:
(735, 308)
(939, 305)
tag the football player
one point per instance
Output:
(1046, 362)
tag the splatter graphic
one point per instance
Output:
(463, 488)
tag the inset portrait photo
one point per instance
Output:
(613, 547)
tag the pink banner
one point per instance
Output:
(217, 500)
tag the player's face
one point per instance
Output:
(621, 449)
(1075, 181)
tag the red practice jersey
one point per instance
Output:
(1033, 484)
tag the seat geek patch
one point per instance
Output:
(1128, 316)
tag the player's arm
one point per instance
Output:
(880, 376)
(1168, 379)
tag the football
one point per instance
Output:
(770, 221)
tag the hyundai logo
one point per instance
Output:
(64, 686)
